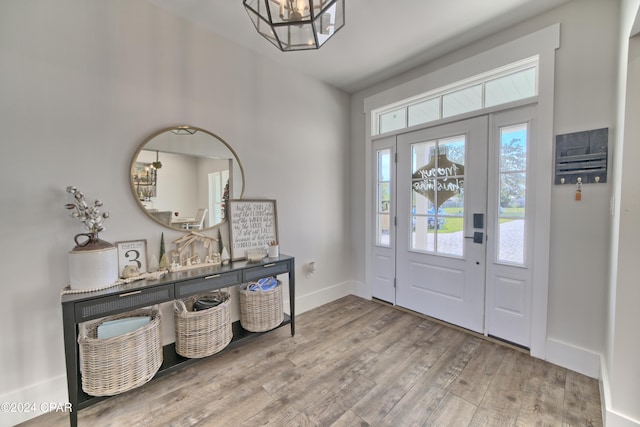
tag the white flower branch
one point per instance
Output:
(89, 215)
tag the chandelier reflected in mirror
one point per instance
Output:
(296, 24)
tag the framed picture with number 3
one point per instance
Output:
(132, 252)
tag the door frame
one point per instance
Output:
(543, 43)
(539, 159)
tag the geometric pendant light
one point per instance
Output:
(296, 24)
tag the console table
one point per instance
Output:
(82, 307)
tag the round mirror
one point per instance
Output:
(182, 178)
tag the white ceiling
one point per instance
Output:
(380, 39)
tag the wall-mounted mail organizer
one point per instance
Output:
(582, 155)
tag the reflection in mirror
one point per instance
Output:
(183, 176)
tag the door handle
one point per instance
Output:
(478, 237)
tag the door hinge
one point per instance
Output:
(395, 221)
(394, 282)
(395, 157)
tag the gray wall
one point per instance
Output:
(581, 325)
(82, 84)
(621, 371)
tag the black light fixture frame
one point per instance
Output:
(314, 21)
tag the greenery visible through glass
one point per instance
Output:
(383, 202)
(437, 202)
(512, 194)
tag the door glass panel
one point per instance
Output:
(393, 120)
(512, 191)
(512, 87)
(424, 112)
(437, 209)
(383, 198)
(462, 101)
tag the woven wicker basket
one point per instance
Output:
(261, 310)
(202, 333)
(113, 365)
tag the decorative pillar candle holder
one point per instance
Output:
(273, 251)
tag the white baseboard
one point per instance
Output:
(322, 296)
(33, 401)
(610, 417)
(361, 290)
(575, 358)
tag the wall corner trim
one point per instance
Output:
(610, 417)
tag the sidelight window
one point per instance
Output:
(512, 194)
(383, 202)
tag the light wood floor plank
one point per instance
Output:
(387, 331)
(503, 400)
(543, 395)
(419, 404)
(407, 350)
(475, 379)
(338, 400)
(541, 405)
(452, 412)
(355, 362)
(402, 375)
(278, 413)
(309, 384)
(233, 412)
(325, 339)
(349, 419)
(581, 401)
(498, 408)
(331, 318)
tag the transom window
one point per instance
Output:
(510, 83)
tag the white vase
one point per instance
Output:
(273, 251)
(93, 264)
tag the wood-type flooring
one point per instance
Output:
(355, 362)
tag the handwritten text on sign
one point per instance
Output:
(253, 225)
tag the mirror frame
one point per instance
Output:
(132, 185)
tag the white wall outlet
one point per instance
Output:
(309, 268)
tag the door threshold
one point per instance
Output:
(489, 338)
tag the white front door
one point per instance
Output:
(442, 206)
(461, 196)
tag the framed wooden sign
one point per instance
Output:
(253, 224)
(132, 252)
